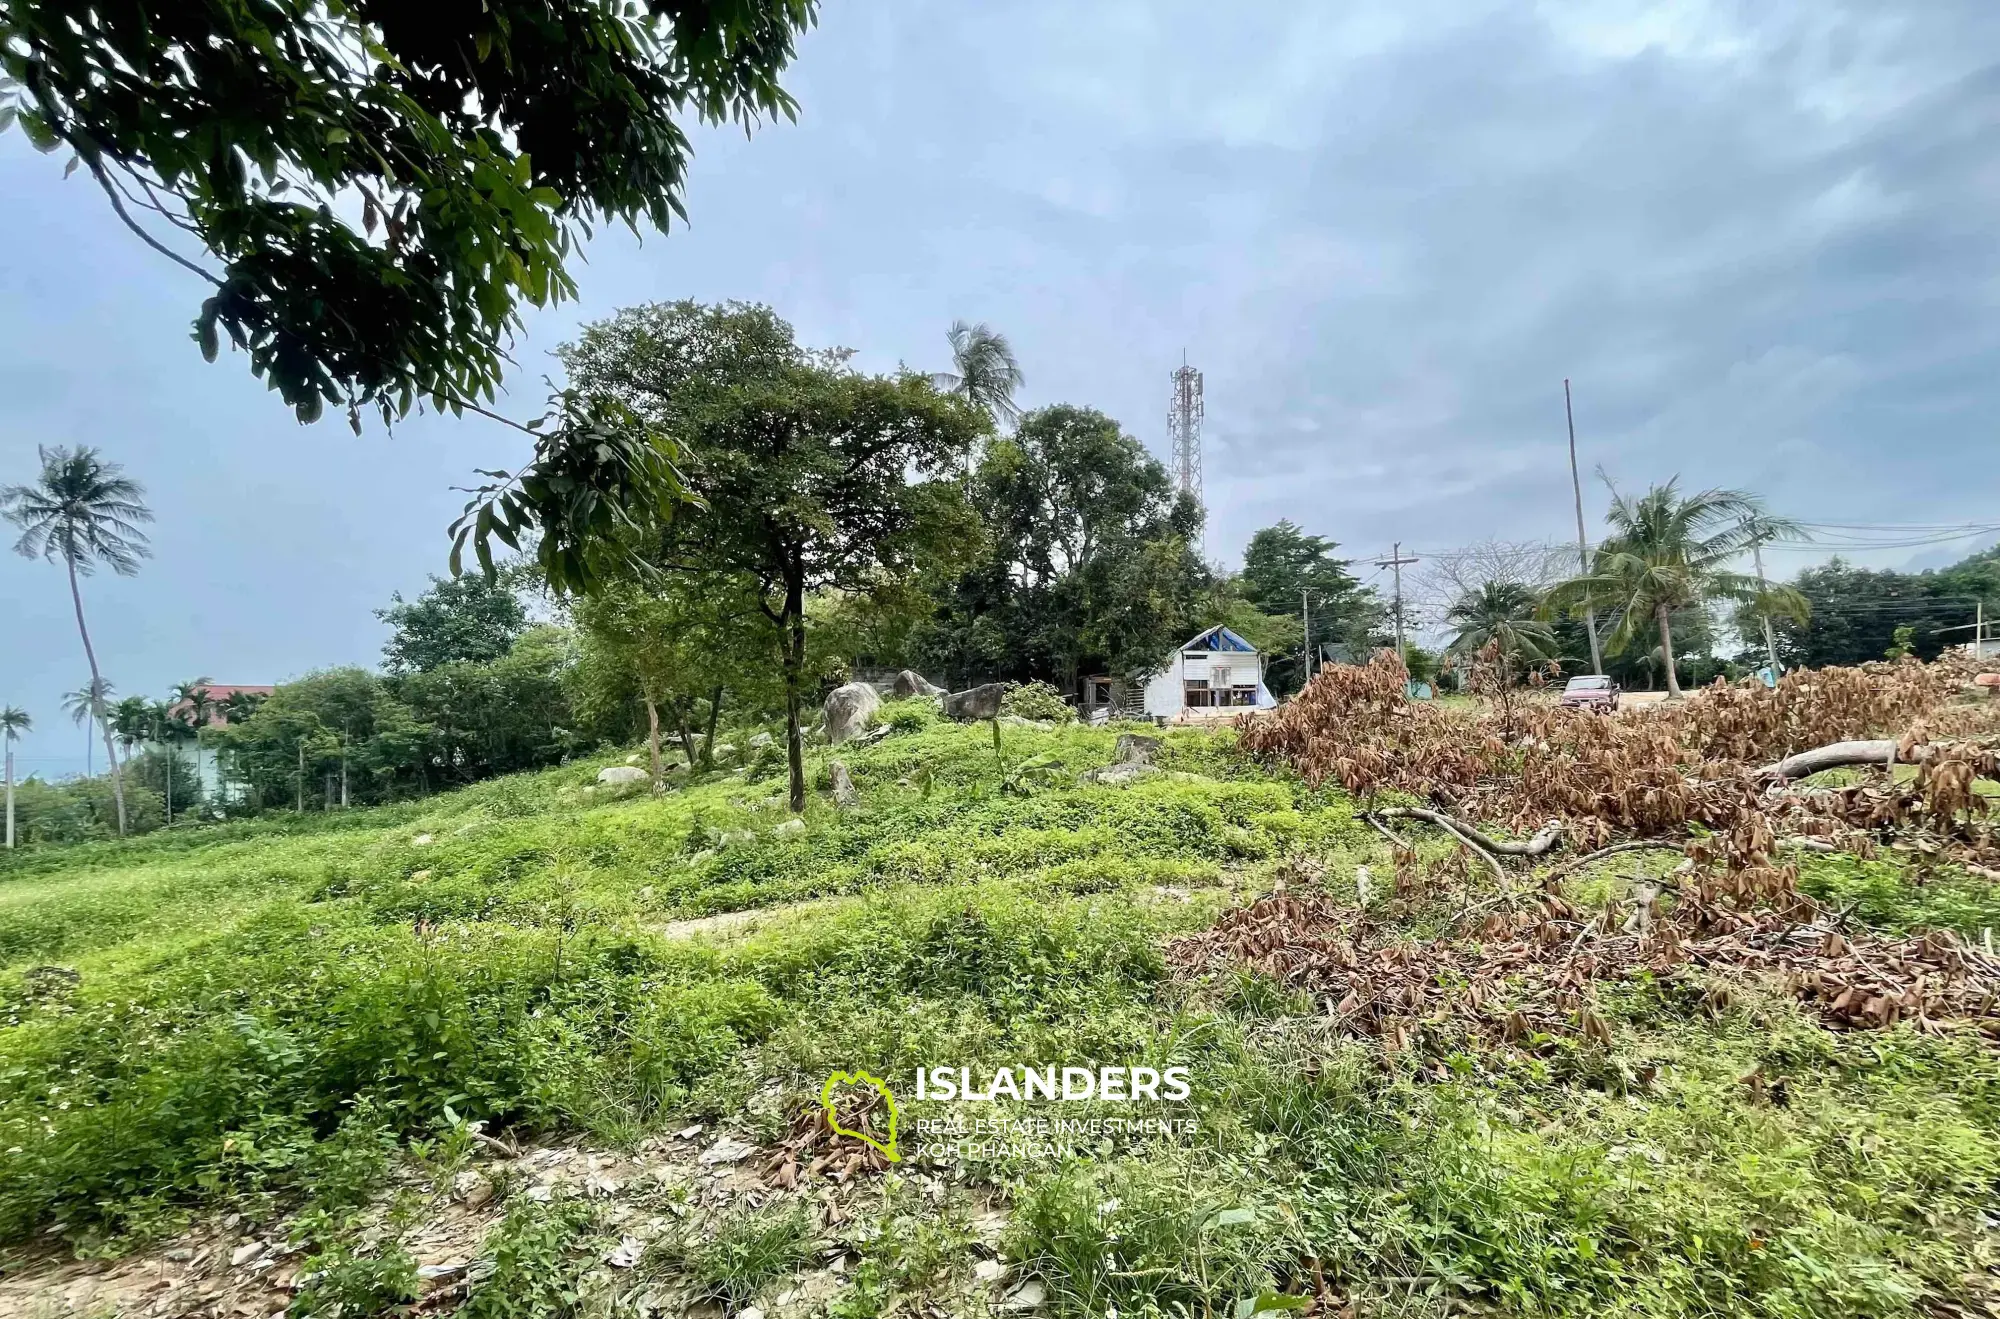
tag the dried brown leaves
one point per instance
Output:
(1533, 971)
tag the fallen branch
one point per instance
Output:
(1396, 840)
(1635, 845)
(1868, 751)
(1543, 840)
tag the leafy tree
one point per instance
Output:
(984, 372)
(481, 141)
(1090, 558)
(83, 511)
(193, 704)
(14, 721)
(1501, 613)
(468, 619)
(486, 719)
(804, 469)
(130, 720)
(1284, 568)
(1854, 612)
(679, 645)
(1668, 552)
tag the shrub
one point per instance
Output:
(1036, 700)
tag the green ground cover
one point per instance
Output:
(260, 1015)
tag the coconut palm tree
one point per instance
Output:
(1501, 613)
(14, 721)
(984, 371)
(1668, 551)
(83, 511)
(82, 706)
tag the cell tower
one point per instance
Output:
(1184, 429)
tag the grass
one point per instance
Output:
(268, 1014)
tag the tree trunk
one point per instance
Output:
(653, 743)
(714, 713)
(10, 794)
(793, 641)
(169, 749)
(684, 732)
(1667, 654)
(96, 699)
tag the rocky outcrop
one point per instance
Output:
(911, 683)
(848, 710)
(981, 702)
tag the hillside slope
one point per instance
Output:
(282, 1020)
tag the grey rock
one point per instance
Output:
(1134, 761)
(787, 828)
(845, 794)
(622, 774)
(848, 709)
(727, 1150)
(1030, 1295)
(982, 702)
(758, 741)
(911, 683)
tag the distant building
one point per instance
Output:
(189, 753)
(1217, 674)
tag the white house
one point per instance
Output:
(1215, 671)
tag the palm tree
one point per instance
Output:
(14, 721)
(1668, 551)
(1502, 614)
(984, 372)
(131, 719)
(196, 704)
(82, 706)
(83, 511)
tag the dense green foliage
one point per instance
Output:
(267, 1011)
(457, 620)
(481, 141)
(1288, 572)
(1855, 611)
(1090, 565)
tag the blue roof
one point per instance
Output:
(1220, 638)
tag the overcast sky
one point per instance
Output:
(1761, 239)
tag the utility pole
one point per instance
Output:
(1395, 561)
(1305, 606)
(1770, 641)
(1582, 545)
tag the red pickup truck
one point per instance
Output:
(1591, 692)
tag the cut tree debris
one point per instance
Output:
(1715, 778)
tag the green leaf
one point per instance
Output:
(1269, 1303)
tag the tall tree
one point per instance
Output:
(81, 706)
(1502, 614)
(1090, 558)
(1669, 552)
(812, 478)
(984, 372)
(82, 511)
(1288, 572)
(14, 721)
(468, 619)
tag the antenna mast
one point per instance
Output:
(1184, 430)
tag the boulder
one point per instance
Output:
(622, 774)
(982, 702)
(848, 709)
(911, 683)
(758, 741)
(1135, 754)
(786, 828)
(845, 794)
